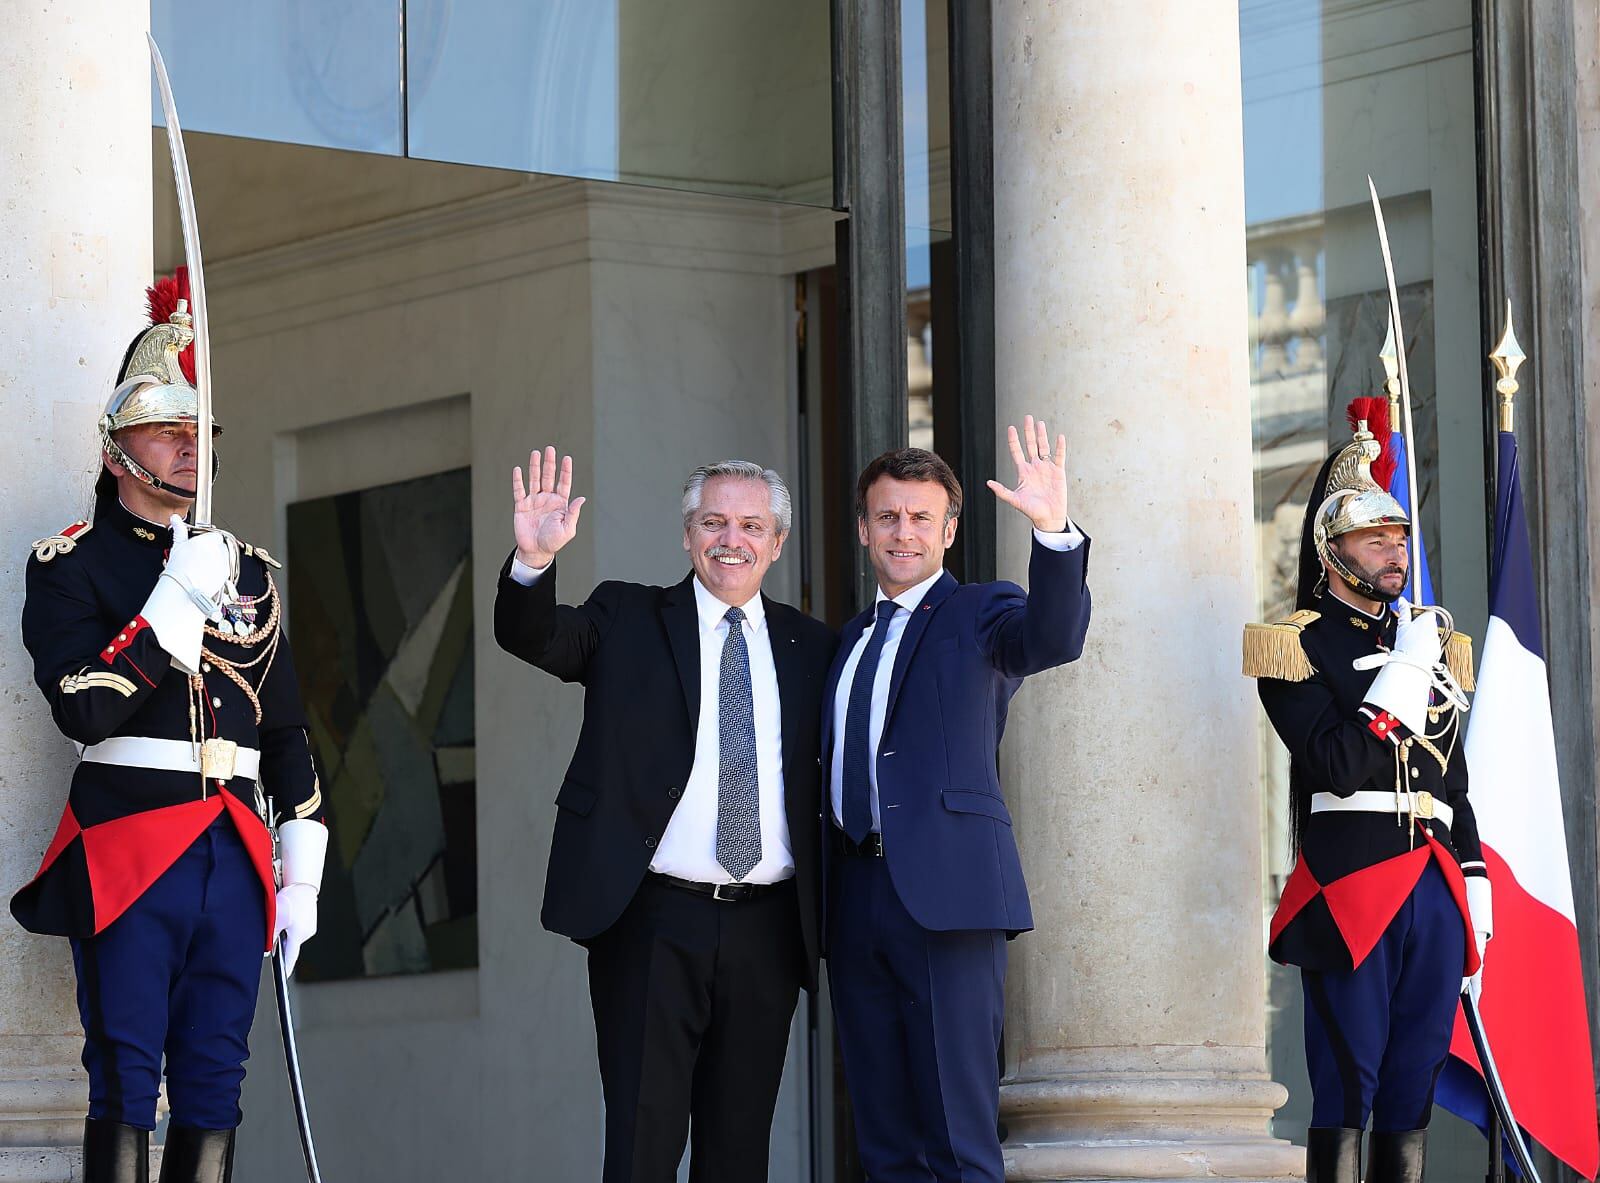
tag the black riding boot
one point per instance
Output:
(115, 1153)
(197, 1156)
(1397, 1157)
(1333, 1156)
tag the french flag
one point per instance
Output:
(1533, 998)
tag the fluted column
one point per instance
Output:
(75, 199)
(1136, 1016)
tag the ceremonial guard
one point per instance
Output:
(160, 652)
(1388, 904)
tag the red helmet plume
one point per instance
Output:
(1375, 410)
(162, 299)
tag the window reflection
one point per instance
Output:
(296, 71)
(726, 96)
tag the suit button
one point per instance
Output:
(650, 842)
(674, 792)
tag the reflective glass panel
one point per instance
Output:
(726, 96)
(296, 71)
(1333, 92)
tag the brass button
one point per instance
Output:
(216, 702)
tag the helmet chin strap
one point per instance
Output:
(1360, 586)
(140, 473)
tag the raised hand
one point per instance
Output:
(544, 512)
(1041, 492)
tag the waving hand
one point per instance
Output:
(1041, 492)
(544, 512)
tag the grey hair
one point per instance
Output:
(744, 470)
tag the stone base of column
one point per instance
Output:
(1126, 1127)
(41, 1127)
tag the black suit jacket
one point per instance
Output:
(636, 651)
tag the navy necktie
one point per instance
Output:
(738, 791)
(855, 804)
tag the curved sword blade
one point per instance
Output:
(1497, 1090)
(197, 287)
(1405, 378)
(291, 1062)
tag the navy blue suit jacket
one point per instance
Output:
(946, 831)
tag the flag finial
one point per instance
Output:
(1391, 383)
(1507, 356)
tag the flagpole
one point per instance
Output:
(1506, 357)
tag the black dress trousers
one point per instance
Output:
(693, 999)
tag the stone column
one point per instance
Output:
(1136, 1018)
(75, 199)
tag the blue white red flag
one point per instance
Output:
(1533, 997)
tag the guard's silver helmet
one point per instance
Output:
(1354, 501)
(153, 386)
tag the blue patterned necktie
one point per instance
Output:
(738, 796)
(856, 795)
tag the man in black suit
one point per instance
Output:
(685, 857)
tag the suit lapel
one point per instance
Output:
(786, 664)
(683, 634)
(912, 637)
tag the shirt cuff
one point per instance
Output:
(1069, 539)
(524, 574)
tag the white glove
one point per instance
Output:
(302, 847)
(1403, 685)
(1480, 908)
(185, 596)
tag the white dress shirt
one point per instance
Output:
(908, 600)
(688, 849)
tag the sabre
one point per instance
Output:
(291, 1062)
(1400, 360)
(1497, 1090)
(197, 291)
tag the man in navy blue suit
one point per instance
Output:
(924, 885)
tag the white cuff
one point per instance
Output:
(1480, 903)
(1402, 690)
(302, 847)
(178, 623)
(524, 574)
(1069, 539)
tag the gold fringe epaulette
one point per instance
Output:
(1275, 651)
(1458, 660)
(63, 543)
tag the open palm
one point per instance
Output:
(544, 512)
(1041, 492)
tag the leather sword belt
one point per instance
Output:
(1422, 806)
(869, 847)
(215, 759)
(726, 893)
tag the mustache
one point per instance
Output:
(731, 552)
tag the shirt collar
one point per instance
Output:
(911, 597)
(711, 610)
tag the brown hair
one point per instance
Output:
(909, 464)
